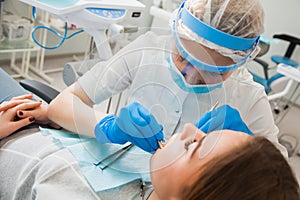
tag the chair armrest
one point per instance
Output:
(265, 66)
(288, 38)
(292, 40)
(45, 92)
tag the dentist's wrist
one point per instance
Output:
(102, 129)
(107, 131)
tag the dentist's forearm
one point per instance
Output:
(72, 113)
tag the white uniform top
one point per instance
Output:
(142, 69)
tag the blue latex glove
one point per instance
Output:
(224, 117)
(133, 124)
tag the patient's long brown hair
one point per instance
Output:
(256, 170)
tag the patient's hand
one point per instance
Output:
(22, 111)
(38, 111)
(9, 122)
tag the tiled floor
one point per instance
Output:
(287, 126)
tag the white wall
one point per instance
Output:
(282, 16)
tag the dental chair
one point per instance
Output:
(276, 86)
(286, 59)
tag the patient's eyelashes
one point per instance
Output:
(188, 143)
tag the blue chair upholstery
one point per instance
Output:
(271, 83)
(286, 59)
(266, 81)
(262, 81)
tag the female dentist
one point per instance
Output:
(177, 78)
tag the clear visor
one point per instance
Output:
(196, 75)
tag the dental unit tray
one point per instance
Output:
(96, 17)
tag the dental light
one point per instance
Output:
(95, 17)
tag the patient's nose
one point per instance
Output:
(190, 132)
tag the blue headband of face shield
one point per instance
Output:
(213, 35)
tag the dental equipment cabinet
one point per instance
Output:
(14, 41)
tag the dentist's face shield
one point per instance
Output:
(195, 75)
(202, 65)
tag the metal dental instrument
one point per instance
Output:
(160, 144)
(117, 155)
(214, 106)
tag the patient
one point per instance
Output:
(221, 165)
(34, 166)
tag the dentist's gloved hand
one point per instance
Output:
(224, 117)
(133, 124)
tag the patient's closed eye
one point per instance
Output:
(189, 142)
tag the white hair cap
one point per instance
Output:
(242, 18)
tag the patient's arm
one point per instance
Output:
(72, 109)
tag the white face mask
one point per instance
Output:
(180, 81)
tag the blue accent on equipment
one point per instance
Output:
(108, 13)
(63, 37)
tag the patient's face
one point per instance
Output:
(173, 166)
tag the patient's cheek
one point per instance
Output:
(167, 156)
